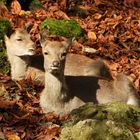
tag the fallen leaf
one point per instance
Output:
(97, 16)
(3, 10)
(89, 50)
(15, 7)
(92, 35)
(12, 136)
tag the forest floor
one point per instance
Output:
(112, 33)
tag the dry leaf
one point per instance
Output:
(31, 75)
(6, 104)
(63, 4)
(22, 12)
(15, 7)
(92, 35)
(89, 50)
(3, 10)
(97, 16)
(132, 3)
(12, 136)
(61, 14)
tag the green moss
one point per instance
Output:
(112, 111)
(4, 1)
(4, 64)
(36, 4)
(4, 26)
(112, 121)
(66, 28)
(137, 135)
(97, 130)
(123, 113)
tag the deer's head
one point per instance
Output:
(54, 53)
(19, 43)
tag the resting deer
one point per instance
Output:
(19, 47)
(64, 93)
(24, 64)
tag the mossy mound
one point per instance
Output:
(112, 111)
(113, 121)
(4, 26)
(66, 28)
(4, 64)
(96, 130)
(36, 4)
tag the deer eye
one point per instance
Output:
(46, 53)
(64, 53)
(19, 39)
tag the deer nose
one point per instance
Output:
(56, 63)
(32, 51)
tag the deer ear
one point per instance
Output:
(43, 38)
(68, 42)
(28, 27)
(9, 32)
(6, 38)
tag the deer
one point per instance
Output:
(19, 48)
(63, 93)
(25, 64)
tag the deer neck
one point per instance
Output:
(55, 86)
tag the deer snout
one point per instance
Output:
(56, 63)
(55, 66)
(31, 51)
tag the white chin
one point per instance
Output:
(54, 69)
(30, 53)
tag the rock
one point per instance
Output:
(112, 121)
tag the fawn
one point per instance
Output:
(25, 64)
(64, 93)
(19, 47)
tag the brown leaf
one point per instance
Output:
(132, 3)
(92, 35)
(31, 75)
(15, 7)
(63, 4)
(61, 15)
(97, 16)
(19, 84)
(3, 10)
(6, 104)
(34, 99)
(40, 14)
(12, 136)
